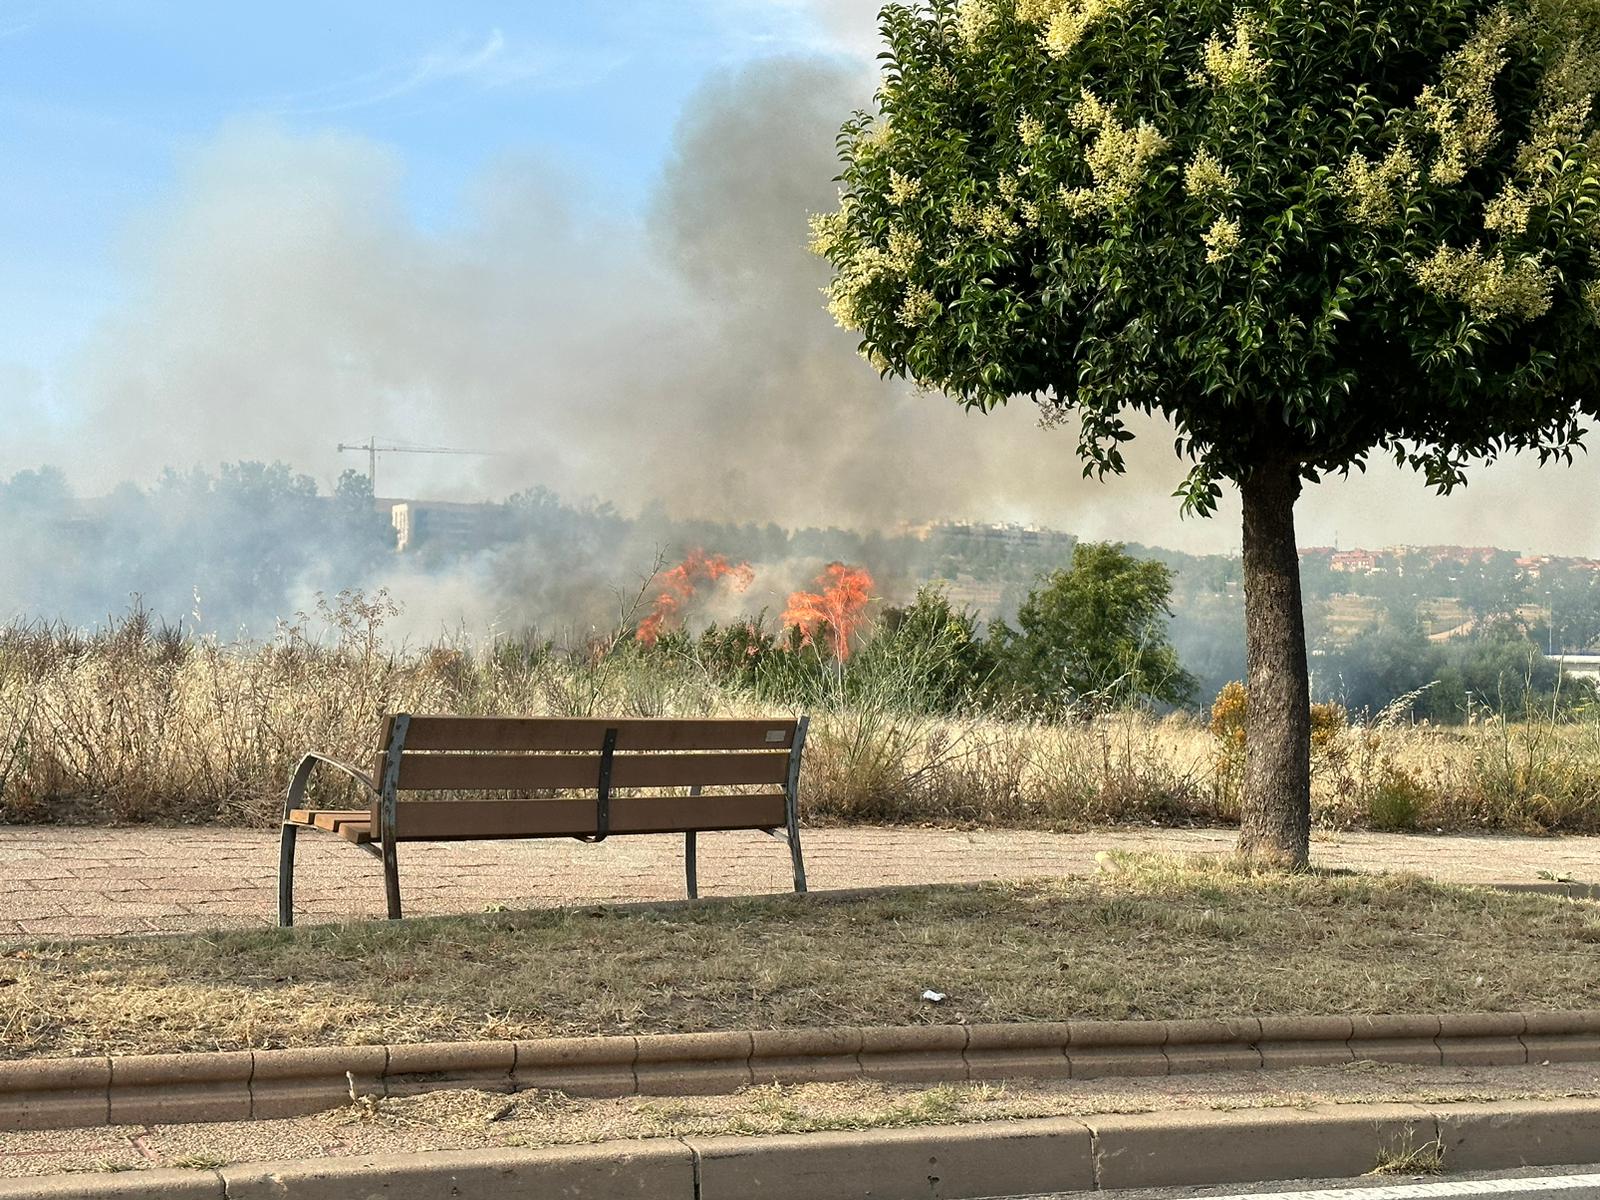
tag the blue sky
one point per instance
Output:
(100, 102)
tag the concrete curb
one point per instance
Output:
(238, 1085)
(958, 1162)
(1571, 889)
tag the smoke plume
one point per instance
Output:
(286, 298)
(287, 301)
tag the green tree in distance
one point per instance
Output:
(1301, 232)
(1096, 631)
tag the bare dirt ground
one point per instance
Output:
(60, 881)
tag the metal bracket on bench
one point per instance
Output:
(602, 799)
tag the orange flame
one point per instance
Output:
(679, 585)
(841, 606)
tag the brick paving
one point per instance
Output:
(84, 882)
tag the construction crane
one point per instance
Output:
(373, 447)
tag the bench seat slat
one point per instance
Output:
(470, 820)
(328, 818)
(588, 733)
(520, 772)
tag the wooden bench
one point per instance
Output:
(594, 778)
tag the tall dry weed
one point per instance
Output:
(138, 722)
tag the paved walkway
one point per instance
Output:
(83, 882)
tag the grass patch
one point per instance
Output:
(1409, 1159)
(1156, 937)
(201, 1162)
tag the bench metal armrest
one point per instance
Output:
(302, 777)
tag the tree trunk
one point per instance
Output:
(1275, 820)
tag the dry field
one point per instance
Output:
(137, 724)
(1153, 938)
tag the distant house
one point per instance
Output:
(448, 527)
(1578, 666)
(1464, 555)
(1354, 562)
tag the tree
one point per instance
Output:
(954, 663)
(361, 534)
(1302, 233)
(1097, 631)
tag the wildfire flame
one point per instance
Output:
(679, 585)
(840, 606)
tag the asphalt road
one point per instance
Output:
(1527, 1183)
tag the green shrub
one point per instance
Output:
(1398, 802)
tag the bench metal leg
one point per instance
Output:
(286, 876)
(792, 804)
(395, 736)
(794, 855)
(690, 857)
(391, 880)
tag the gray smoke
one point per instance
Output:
(285, 299)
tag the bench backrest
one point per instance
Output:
(753, 764)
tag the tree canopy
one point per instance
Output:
(1302, 231)
(1095, 633)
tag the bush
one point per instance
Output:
(1398, 801)
(1229, 720)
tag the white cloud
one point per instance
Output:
(847, 28)
(482, 62)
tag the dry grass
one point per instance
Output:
(1157, 938)
(135, 724)
(1408, 1158)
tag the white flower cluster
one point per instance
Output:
(1373, 191)
(859, 267)
(1205, 178)
(1487, 284)
(1117, 157)
(1063, 23)
(875, 138)
(917, 308)
(1561, 119)
(1221, 240)
(1235, 63)
(974, 19)
(996, 223)
(1460, 112)
(902, 187)
(1508, 213)
(1591, 298)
